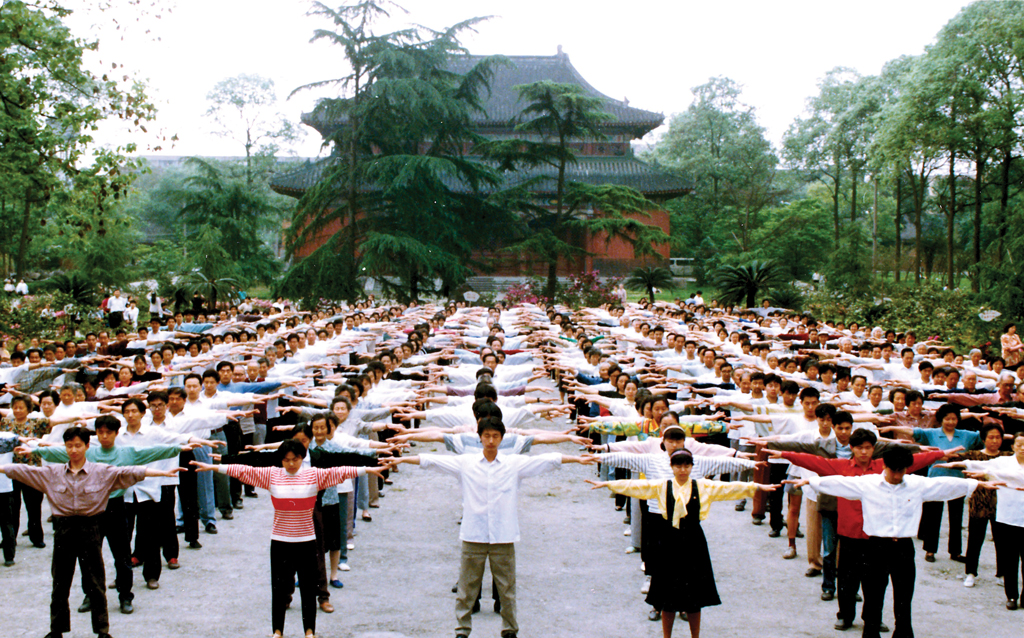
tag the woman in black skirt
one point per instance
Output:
(683, 581)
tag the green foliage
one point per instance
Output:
(649, 278)
(559, 114)
(399, 159)
(848, 270)
(225, 216)
(326, 274)
(952, 315)
(52, 104)
(742, 284)
(586, 290)
(798, 237)
(76, 287)
(718, 144)
(789, 297)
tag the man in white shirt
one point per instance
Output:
(116, 306)
(490, 521)
(892, 504)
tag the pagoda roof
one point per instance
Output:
(503, 105)
(596, 171)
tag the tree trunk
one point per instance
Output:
(650, 294)
(19, 260)
(752, 298)
(552, 282)
(414, 285)
(899, 226)
(835, 204)
(1004, 198)
(853, 196)
(950, 269)
(979, 167)
(917, 190)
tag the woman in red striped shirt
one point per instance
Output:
(293, 489)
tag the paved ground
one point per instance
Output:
(574, 577)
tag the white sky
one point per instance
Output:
(651, 51)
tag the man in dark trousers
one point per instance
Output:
(78, 491)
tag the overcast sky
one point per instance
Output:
(650, 51)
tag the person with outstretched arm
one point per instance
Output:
(490, 522)
(78, 491)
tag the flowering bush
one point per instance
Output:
(587, 290)
(526, 292)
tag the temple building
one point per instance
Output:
(598, 162)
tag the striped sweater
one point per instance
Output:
(293, 495)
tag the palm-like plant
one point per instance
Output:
(76, 286)
(209, 288)
(649, 278)
(743, 283)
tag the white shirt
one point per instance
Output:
(893, 511)
(1010, 501)
(490, 490)
(149, 435)
(117, 304)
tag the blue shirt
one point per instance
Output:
(937, 438)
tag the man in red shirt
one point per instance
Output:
(852, 539)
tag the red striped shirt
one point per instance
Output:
(293, 495)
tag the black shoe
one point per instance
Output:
(509, 634)
(1011, 605)
(883, 628)
(653, 615)
(842, 625)
(57, 634)
(476, 607)
(757, 521)
(39, 545)
(828, 595)
(251, 495)
(238, 504)
(227, 515)
(775, 533)
(86, 606)
(812, 572)
(195, 544)
(497, 606)
(104, 636)
(455, 588)
(126, 607)
(960, 558)
(9, 563)
(211, 528)
(461, 636)
(179, 529)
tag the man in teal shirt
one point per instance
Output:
(112, 523)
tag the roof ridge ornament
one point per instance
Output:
(561, 54)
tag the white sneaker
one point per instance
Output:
(969, 581)
(344, 567)
(351, 547)
(631, 550)
(646, 587)
(628, 532)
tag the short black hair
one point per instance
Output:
(842, 416)
(897, 458)
(483, 408)
(293, 446)
(107, 421)
(79, 432)
(490, 423)
(136, 402)
(861, 436)
(302, 428)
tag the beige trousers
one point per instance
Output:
(502, 557)
(813, 533)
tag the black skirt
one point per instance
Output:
(682, 578)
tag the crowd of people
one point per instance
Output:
(140, 436)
